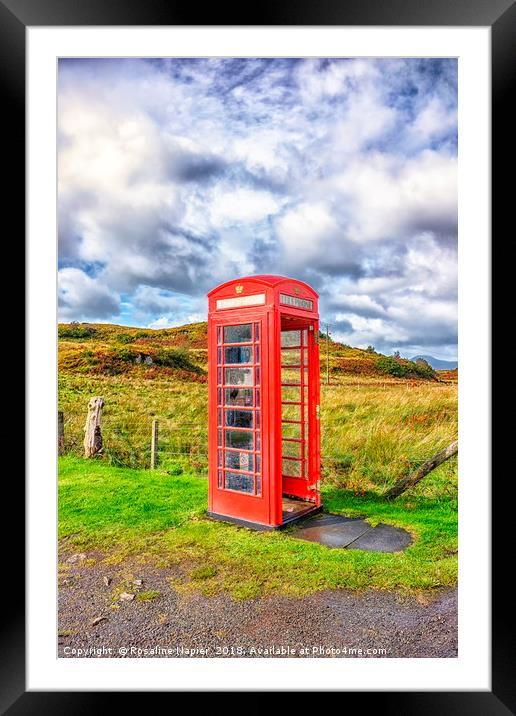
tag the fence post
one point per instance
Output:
(92, 431)
(154, 444)
(60, 432)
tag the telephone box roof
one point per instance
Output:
(265, 279)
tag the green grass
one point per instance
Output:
(155, 516)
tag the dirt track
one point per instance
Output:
(92, 618)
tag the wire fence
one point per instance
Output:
(179, 447)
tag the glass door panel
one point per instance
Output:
(238, 408)
(294, 398)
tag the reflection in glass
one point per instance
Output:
(238, 354)
(238, 334)
(238, 376)
(239, 418)
(239, 482)
(240, 440)
(239, 460)
(238, 396)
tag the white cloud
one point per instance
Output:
(241, 206)
(176, 175)
(82, 297)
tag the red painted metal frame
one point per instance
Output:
(272, 316)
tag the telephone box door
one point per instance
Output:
(300, 412)
(238, 422)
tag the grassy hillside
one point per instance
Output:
(111, 350)
(380, 416)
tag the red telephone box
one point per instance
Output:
(263, 405)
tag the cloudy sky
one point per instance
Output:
(177, 175)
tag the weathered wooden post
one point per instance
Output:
(410, 480)
(154, 444)
(92, 429)
(60, 432)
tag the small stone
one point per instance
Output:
(107, 581)
(76, 558)
(97, 620)
(138, 582)
(126, 597)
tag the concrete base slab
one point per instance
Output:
(352, 533)
(383, 538)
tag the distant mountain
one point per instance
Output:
(437, 363)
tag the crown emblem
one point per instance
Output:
(297, 290)
(239, 288)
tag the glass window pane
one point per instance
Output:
(258, 397)
(220, 458)
(220, 478)
(238, 396)
(305, 337)
(238, 376)
(238, 354)
(239, 482)
(291, 449)
(257, 441)
(293, 468)
(290, 338)
(258, 463)
(240, 440)
(257, 354)
(219, 376)
(305, 357)
(258, 485)
(292, 393)
(239, 418)
(256, 331)
(239, 460)
(291, 430)
(238, 334)
(220, 437)
(291, 376)
(257, 376)
(219, 335)
(290, 412)
(291, 356)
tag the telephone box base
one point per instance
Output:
(266, 528)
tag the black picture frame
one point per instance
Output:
(500, 16)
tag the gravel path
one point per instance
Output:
(95, 621)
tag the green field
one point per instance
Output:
(380, 417)
(120, 513)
